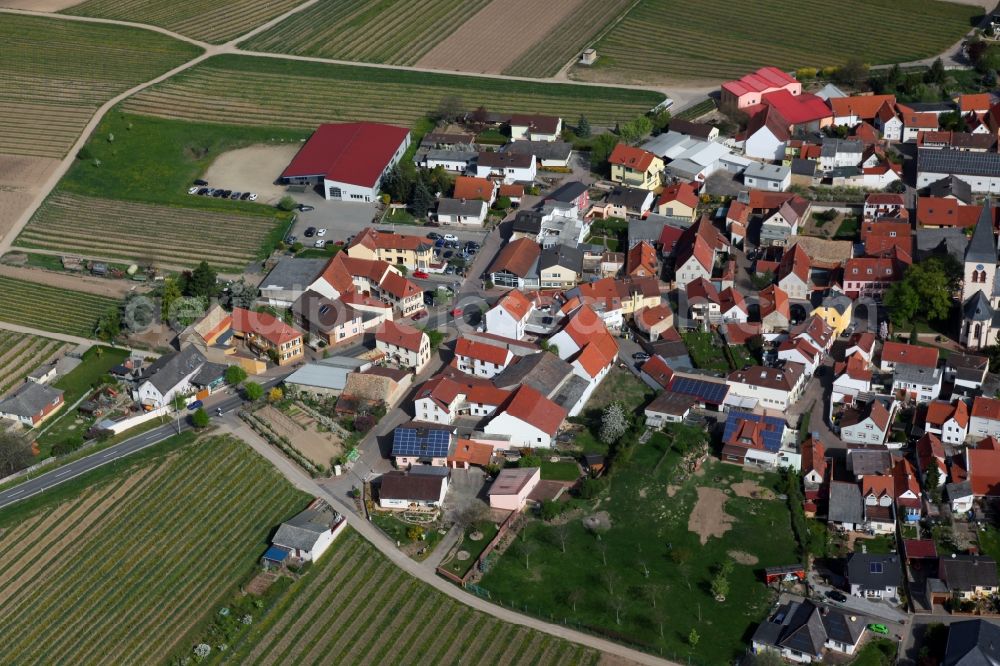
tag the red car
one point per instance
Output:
(420, 274)
(420, 315)
(457, 312)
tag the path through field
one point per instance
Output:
(85, 283)
(39, 5)
(489, 42)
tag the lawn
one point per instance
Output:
(57, 73)
(396, 530)
(214, 22)
(243, 90)
(562, 470)
(620, 385)
(21, 353)
(649, 569)
(767, 33)
(881, 544)
(989, 542)
(126, 561)
(876, 652)
(848, 229)
(355, 607)
(51, 308)
(397, 32)
(705, 349)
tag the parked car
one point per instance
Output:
(456, 312)
(422, 275)
(195, 405)
(216, 194)
(878, 629)
(253, 196)
(836, 595)
(448, 254)
(433, 235)
(449, 270)
(319, 243)
(305, 208)
(420, 315)
(235, 196)
(291, 240)
(640, 356)
(310, 232)
(451, 238)
(244, 196)
(439, 242)
(203, 191)
(199, 182)
(321, 231)
(193, 190)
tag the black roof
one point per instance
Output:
(965, 572)
(977, 308)
(631, 197)
(874, 571)
(951, 186)
(528, 221)
(931, 107)
(961, 162)
(561, 255)
(567, 192)
(972, 643)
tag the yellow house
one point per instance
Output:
(636, 167)
(836, 311)
(413, 252)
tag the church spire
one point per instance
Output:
(982, 248)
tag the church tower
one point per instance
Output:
(979, 317)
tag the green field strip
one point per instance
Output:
(430, 605)
(404, 609)
(432, 642)
(500, 638)
(51, 308)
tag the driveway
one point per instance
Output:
(340, 218)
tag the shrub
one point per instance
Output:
(287, 203)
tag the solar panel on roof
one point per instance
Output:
(421, 443)
(771, 436)
(709, 392)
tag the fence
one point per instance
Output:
(505, 527)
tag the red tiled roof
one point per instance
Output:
(669, 238)
(530, 406)
(646, 318)
(763, 79)
(797, 109)
(681, 192)
(468, 187)
(730, 298)
(871, 269)
(584, 325)
(919, 120)
(978, 103)
(865, 132)
(442, 390)
(768, 117)
(265, 325)
(631, 157)
(795, 260)
(774, 299)
(397, 285)
(701, 251)
(864, 341)
(592, 360)
(814, 456)
(473, 453)
(899, 352)
(738, 334)
(658, 370)
(855, 368)
(764, 200)
(930, 448)
(401, 335)
(702, 290)
(481, 351)
(486, 394)
(862, 106)
(939, 411)
(885, 199)
(919, 548)
(984, 471)
(513, 191)
(882, 236)
(641, 260)
(516, 303)
(986, 408)
(389, 240)
(355, 153)
(517, 257)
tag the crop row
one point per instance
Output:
(51, 308)
(777, 34)
(396, 31)
(28, 354)
(199, 19)
(565, 42)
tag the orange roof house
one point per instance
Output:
(849, 110)
(983, 467)
(469, 452)
(468, 187)
(641, 261)
(636, 159)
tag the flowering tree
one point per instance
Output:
(613, 423)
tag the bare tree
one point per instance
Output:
(617, 603)
(644, 568)
(526, 549)
(603, 549)
(15, 452)
(574, 597)
(611, 580)
(560, 533)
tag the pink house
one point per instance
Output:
(749, 90)
(512, 486)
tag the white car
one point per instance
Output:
(450, 238)
(253, 196)
(193, 190)
(319, 243)
(321, 232)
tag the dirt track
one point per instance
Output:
(709, 518)
(39, 5)
(91, 285)
(497, 35)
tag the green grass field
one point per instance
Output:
(244, 90)
(800, 33)
(649, 508)
(123, 569)
(397, 32)
(50, 308)
(356, 607)
(214, 22)
(706, 352)
(57, 73)
(20, 354)
(565, 42)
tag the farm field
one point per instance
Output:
(356, 607)
(57, 73)
(21, 353)
(164, 235)
(243, 90)
(666, 532)
(213, 22)
(769, 33)
(564, 42)
(50, 308)
(119, 572)
(396, 32)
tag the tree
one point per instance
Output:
(526, 549)
(574, 597)
(560, 533)
(952, 121)
(635, 129)
(275, 395)
(415, 533)
(397, 184)
(15, 452)
(139, 313)
(203, 282)
(853, 72)
(421, 200)
(614, 423)
(170, 293)
(720, 586)
(109, 326)
(660, 121)
(611, 581)
(895, 77)
(235, 374)
(933, 478)
(583, 127)
(287, 203)
(600, 150)
(935, 73)
(924, 291)
(239, 294)
(545, 345)
(200, 418)
(450, 108)
(693, 638)
(253, 391)
(617, 603)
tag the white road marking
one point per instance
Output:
(15, 494)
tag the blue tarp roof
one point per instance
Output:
(276, 554)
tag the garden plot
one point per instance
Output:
(319, 447)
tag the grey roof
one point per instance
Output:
(833, 147)
(561, 255)
(951, 186)
(982, 246)
(969, 367)
(845, 503)
(452, 155)
(648, 230)
(796, 625)
(668, 402)
(868, 461)
(931, 107)
(950, 241)
(305, 529)
(542, 150)
(965, 572)
(977, 308)
(959, 490)
(631, 197)
(209, 373)
(916, 374)
(318, 375)
(700, 130)
(528, 221)
(837, 301)
(803, 167)
(543, 372)
(29, 399)
(843, 172)
(842, 627)
(570, 392)
(320, 313)
(972, 643)
(830, 91)
(167, 371)
(957, 162)
(291, 272)
(766, 171)
(469, 207)
(873, 571)
(567, 192)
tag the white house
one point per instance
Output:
(509, 316)
(348, 159)
(464, 212)
(420, 487)
(840, 153)
(510, 167)
(510, 490)
(481, 359)
(455, 161)
(888, 122)
(732, 306)
(770, 177)
(668, 407)
(766, 135)
(403, 345)
(169, 376)
(853, 378)
(308, 535)
(920, 383)
(867, 424)
(535, 128)
(985, 418)
(947, 421)
(438, 400)
(528, 418)
(874, 576)
(799, 351)
(772, 388)
(980, 170)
